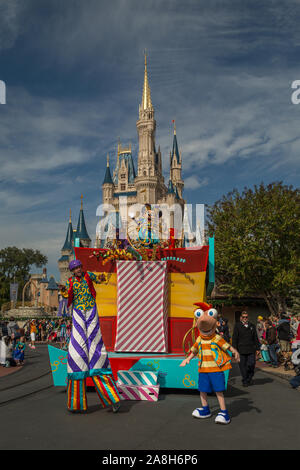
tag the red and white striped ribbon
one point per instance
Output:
(131, 392)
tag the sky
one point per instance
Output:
(73, 72)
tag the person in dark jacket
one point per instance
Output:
(271, 339)
(245, 340)
(284, 334)
(223, 328)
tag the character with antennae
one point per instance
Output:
(214, 359)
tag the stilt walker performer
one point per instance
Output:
(87, 356)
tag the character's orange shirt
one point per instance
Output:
(212, 353)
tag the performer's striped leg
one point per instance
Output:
(76, 395)
(78, 360)
(106, 390)
(111, 386)
(97, 354)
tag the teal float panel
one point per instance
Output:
(58, 363)
(170, 374)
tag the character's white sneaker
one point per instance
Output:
(203, 412)
(222, 417)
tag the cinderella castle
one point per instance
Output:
(146, 185)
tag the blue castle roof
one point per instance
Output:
(52, 284)
(127, 157)
(175, 148)
(170, 187)
(81, 231)
(68, 242)
(107, 177)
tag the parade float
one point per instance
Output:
(145, 311)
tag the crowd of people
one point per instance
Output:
(13, 338)
(279, 336)
(273, 340)
(49, 331)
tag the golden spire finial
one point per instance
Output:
(174, 126)
(81, 201)
(146, 100)
(107, 161)
(70, 219)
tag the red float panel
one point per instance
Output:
(195, 259)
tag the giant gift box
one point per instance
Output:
(142, 319)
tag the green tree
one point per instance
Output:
(257, 242)
(294, 301)
(15, 265)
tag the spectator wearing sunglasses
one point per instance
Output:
(245, 340)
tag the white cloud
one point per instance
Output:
(10, 22)
(39, 134)
(193, 182)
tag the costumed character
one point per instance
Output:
(19, 351)
(149, 226)
(212, 351)
(63, 331)
(63, 304)
(87, 356)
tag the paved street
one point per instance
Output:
(264, 416)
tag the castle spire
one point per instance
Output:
(68, 241)
(175, 150)
(174, 126)
(107, 176)
(81, 231)
(146, 98)
(170, 187)
(176, 167)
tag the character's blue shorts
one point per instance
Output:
(211, 382)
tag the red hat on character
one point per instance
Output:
(203, 305)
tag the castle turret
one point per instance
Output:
(176, 166)
(68, 245)
(107, 185)
(149, 182)
(81, 231)
(66, 254)
(146, 185)
(52, 293)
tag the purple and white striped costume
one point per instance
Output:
(87, 354)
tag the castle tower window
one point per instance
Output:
(123, 187)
